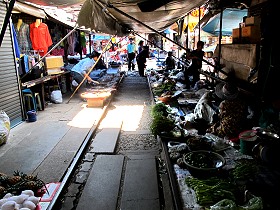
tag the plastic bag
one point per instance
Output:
(5, 127)
(203, 110)
(253, 204)
(74, 83)
(56, 96)
(224, 204)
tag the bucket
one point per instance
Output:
(247, 141)
(31, 116)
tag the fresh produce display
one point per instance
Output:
(226, 204)
(198, 143)
(167, 85)
(244, 169)
(212, 190)
(203, 159)
(161, 124)
(26, 200)
(19, 182)
(159, 108)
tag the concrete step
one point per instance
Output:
(103, 184)
(140, 190)
(105, 141)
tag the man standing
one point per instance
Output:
(197, 57)
(131, 53)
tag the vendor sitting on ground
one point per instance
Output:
(81, 69)
(232, 112)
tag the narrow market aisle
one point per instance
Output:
(124, 176)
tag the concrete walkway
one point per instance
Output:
(47, 146)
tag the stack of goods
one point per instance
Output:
(20, 191)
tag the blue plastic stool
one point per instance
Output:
(29, 100)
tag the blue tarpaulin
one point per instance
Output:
(100, 37)
(230, 20)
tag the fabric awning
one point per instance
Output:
(99, 16)
(56, 3)
(231, 18)
(121, 17)
(58, 16)
(28, 9)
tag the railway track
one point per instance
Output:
(138, 143)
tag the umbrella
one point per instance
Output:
(169, 31)
(230, 20)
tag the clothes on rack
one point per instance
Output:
(23, 35)
(71, 41)
(28, 61)
(40, 37)
(17, 49)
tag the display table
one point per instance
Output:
(41, 81)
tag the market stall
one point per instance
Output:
(205, 170)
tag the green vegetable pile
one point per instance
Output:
(166, 86)
(244, 169)
(159, 108)
(160, 122)
(212, 190)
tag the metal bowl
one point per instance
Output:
(203, 163)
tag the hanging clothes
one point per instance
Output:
(40, 37)
(71, 42)
(23, 36)
(83, 42)
(17, 50)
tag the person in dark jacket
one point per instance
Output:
(170, 62)
(141, 59)
(140, 46)
(100, 64)
(196, 56)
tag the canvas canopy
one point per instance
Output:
(106, 17)
(231, 18)
(102, 15)
(31, 10)
(121, 17)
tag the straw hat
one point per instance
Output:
(226, 91)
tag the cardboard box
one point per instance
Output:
(236, 39)
(53, 62)
(249, 35)
(54, 71)
(252, 21)
(235, 32)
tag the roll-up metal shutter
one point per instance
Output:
(10, 99)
